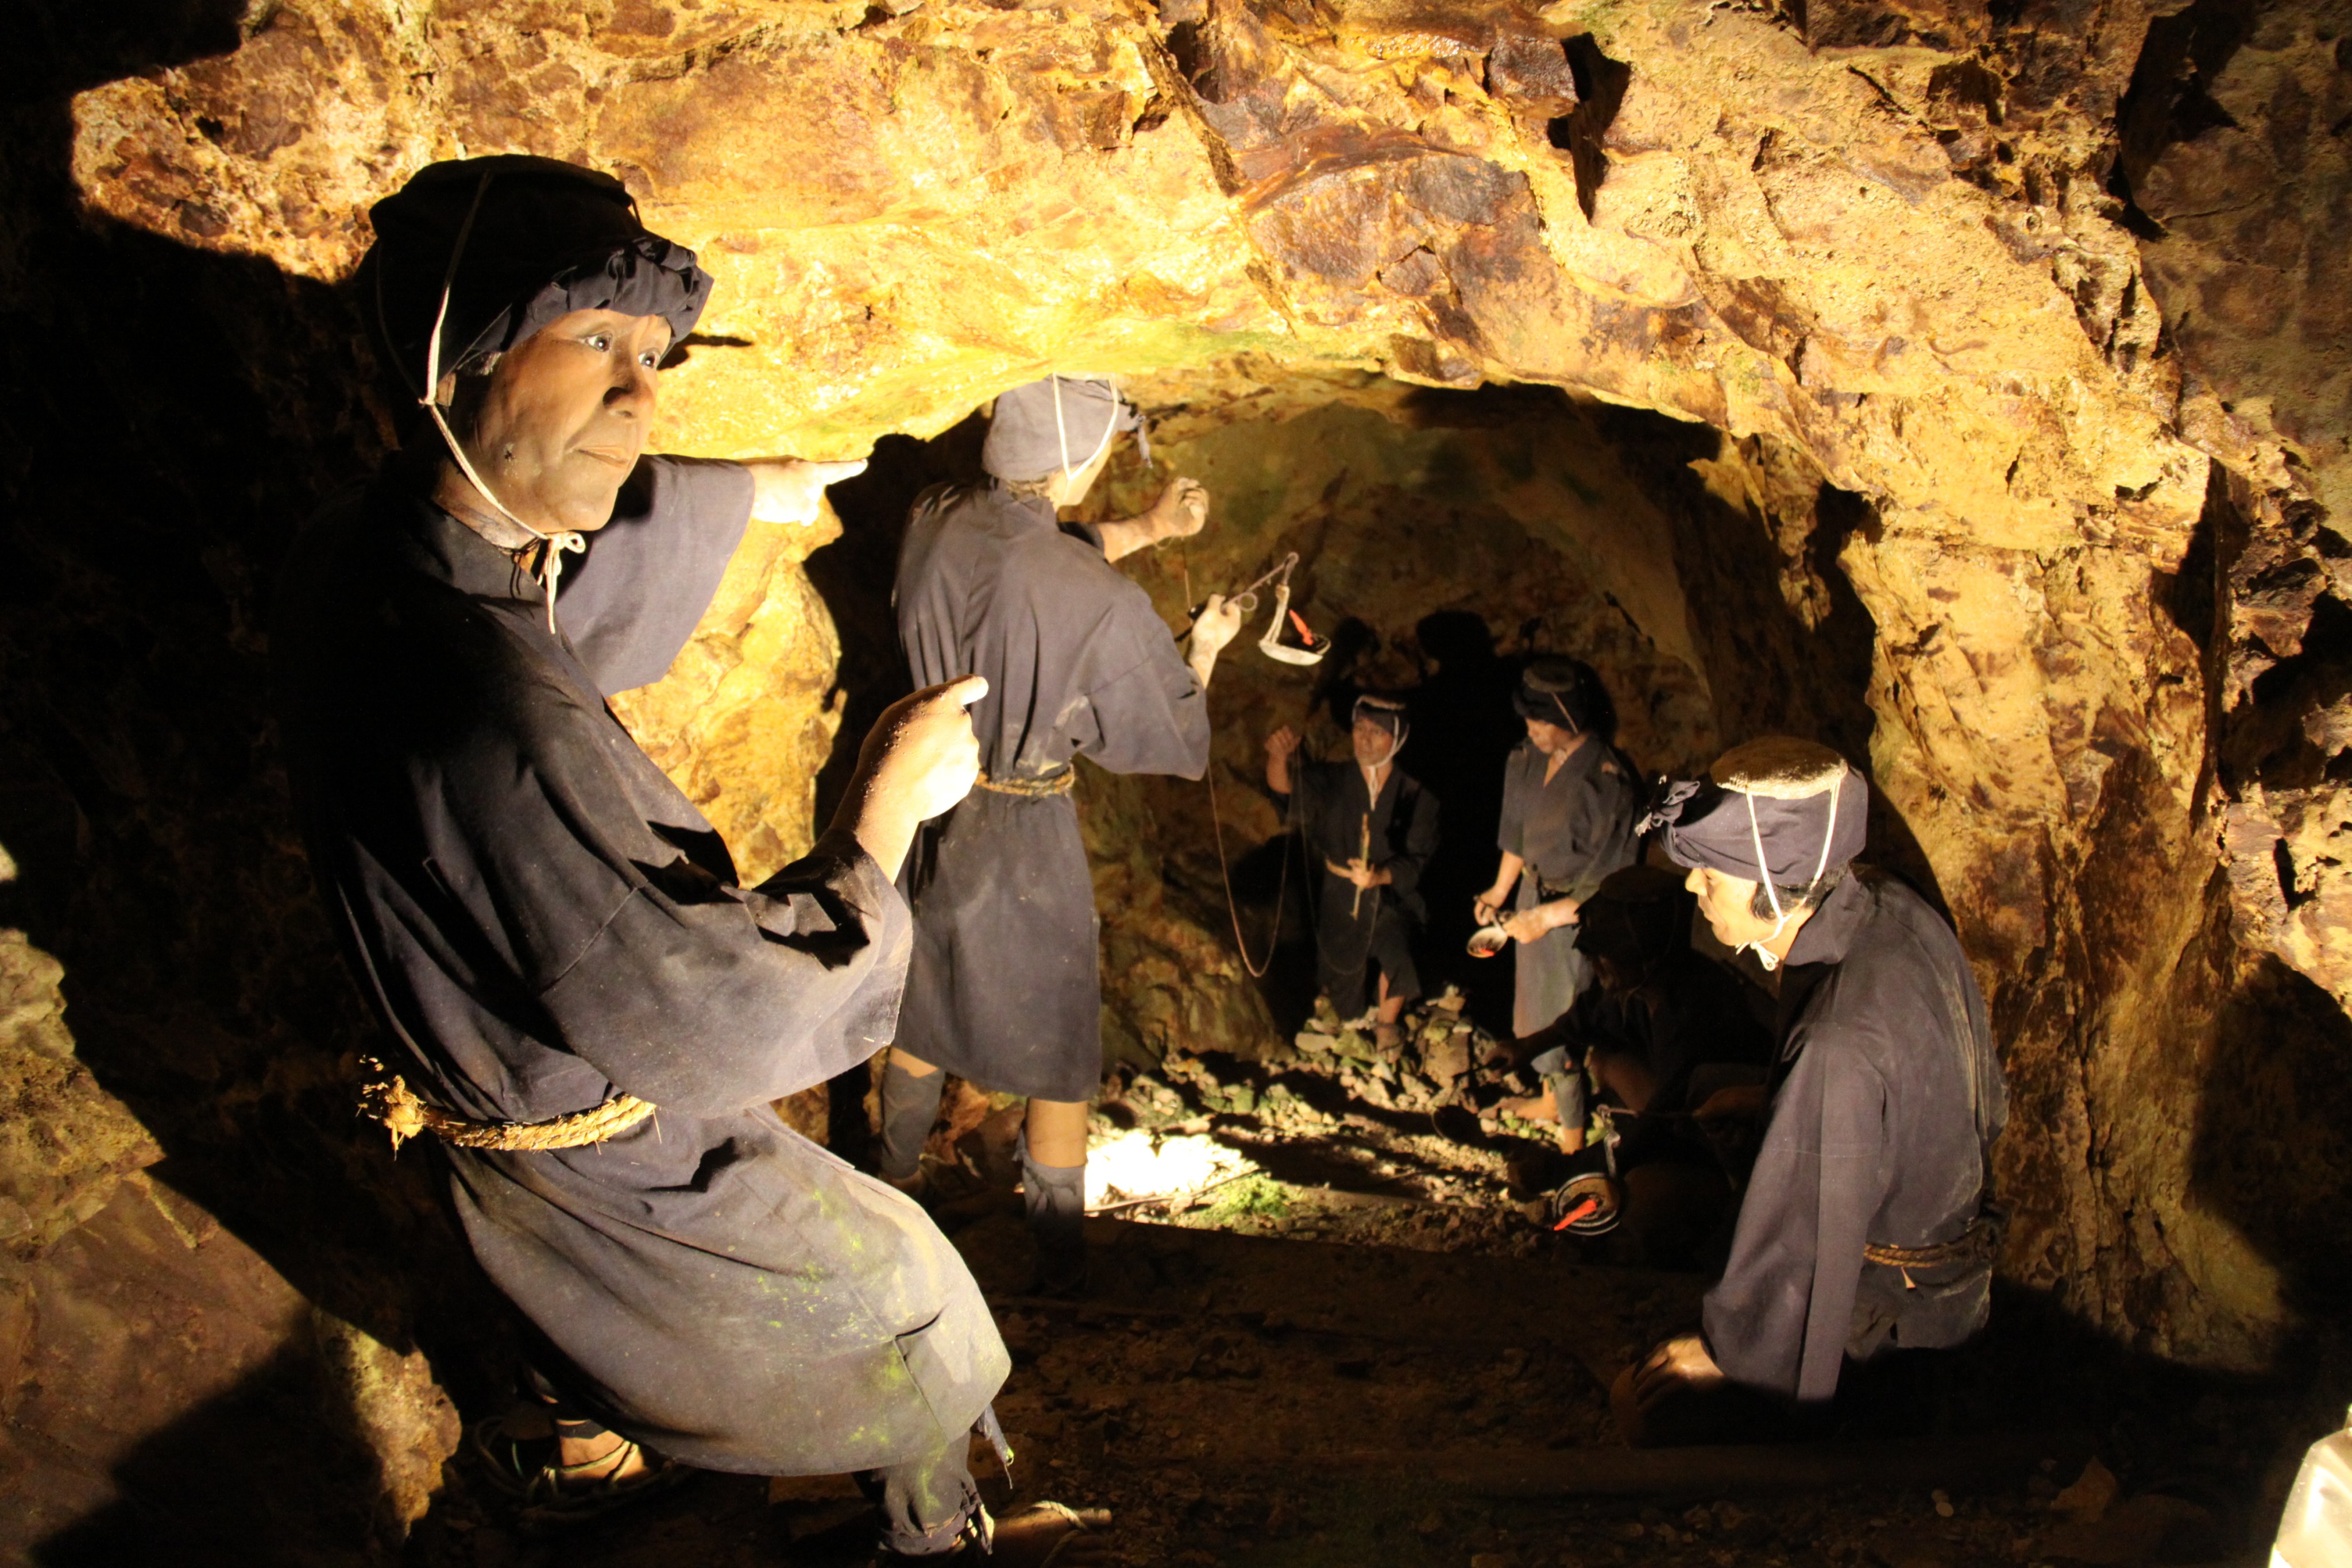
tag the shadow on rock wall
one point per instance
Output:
(1788, 644)
(2274, 1136)
(853, 575)
(173, 413)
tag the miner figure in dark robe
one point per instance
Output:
(1671, 1041)
(1005, 988)
(1373, 829)
(1866, 1228)
(586, 1010)
(1570, 800)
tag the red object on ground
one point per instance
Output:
(1584, 1207)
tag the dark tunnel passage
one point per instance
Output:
(1445, 538)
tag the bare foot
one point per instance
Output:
(1532, 1108)
(1049, 1535)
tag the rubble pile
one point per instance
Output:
(1332, 1137)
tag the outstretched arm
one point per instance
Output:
(788, 491)
(1181, 511)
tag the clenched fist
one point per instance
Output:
(1182, 510)
(1220, 623)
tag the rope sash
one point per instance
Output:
(1980, 1241)
(405, 1116)
(1029, 788)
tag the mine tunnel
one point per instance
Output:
(1957, 388)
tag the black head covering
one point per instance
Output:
(1636, 915)
(1562, 692)
(540, 239)
(1385, 712)
(1057, 424)
(1795, 805)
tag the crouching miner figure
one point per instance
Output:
(592, 1016)
(1865, 1230)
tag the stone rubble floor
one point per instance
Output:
(1341, 1357)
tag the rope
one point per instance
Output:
(1314, 907)
(550, 570)
(1980, 1240)
(1226, 873)
(1031, 788)
(391, 1101)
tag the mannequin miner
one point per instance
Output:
(1570, 801)
(1866, 1230)
(1374, 828)
(588, 1012)
(1005, 988)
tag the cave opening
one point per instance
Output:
(1443, 537)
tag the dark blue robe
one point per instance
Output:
(542, 918)
(1887, 1097)
(1005, 988)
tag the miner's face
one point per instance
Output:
(1551, 739)
(564, 417)
(1726, 901)
(1373, 744)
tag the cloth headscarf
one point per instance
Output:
(1387, 713)
(473, 256)
(1636, 915)
(538, 241)
(1056, 425)
(1562, 692)
(1778, 810)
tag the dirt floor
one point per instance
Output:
(1346, 1345)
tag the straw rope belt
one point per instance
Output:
(1980, 1241)
(1034, 789)
(405, 1116)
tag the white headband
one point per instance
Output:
(1764, 871)
(550, 567)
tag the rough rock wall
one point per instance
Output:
(746, 720)
(1916, 257)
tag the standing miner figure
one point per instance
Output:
(1866, 1228)
(1005, 988)
(590, 1014)
(1374, 828)
(1570, 800)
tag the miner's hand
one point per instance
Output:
(1280, 747)
(793, 491)
(932, 753)
(1220, 623)
(1526, 926)
(1182, 510)
(919, 758)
